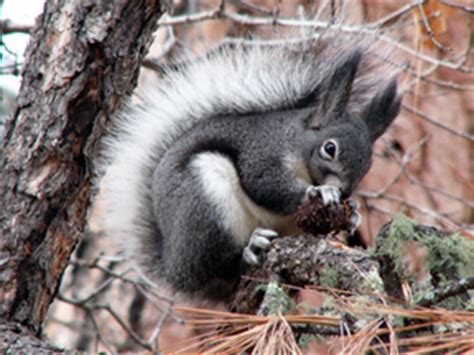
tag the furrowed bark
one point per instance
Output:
(83, 58)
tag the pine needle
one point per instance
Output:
(227, 332)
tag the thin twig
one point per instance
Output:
(154, 338)
(8, 27)
(458, 6)
(125, 327)
(404, 161)
(98, 333)
(428, 29)
(440, 216)
(470, 42)
(367, 29)
(247, 5)
(437, 123)
(395, 15)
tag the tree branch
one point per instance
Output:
(454, 288)
(18, 339)
(8, 27)
(306, 260)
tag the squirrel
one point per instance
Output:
(218, 155)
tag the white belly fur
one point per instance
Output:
(238, 213)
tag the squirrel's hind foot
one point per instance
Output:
(259, 240)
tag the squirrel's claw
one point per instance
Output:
(259, 240)
(250, 257)
(355, 218)
(329, 193)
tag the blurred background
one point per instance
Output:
(424, 165)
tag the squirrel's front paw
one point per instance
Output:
(329, 193)
(259, 240)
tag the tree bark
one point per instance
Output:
(306, 260)
(83, 58)
(18, 339)
(303, 260)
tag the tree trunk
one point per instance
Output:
(83, 58)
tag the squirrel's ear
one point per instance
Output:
(338, 90)
(382, 110)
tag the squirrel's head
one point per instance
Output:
(338, 141)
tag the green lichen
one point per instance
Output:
(329, 302)
(423, 290)
(401, 230)
(470, 305)
(446, 253)
(453, 327)
(305, 339)
(452, 252)
(448, 257)
(330, 277)
(329, 307)
(397, 321)
(276, 300)
(372, 282)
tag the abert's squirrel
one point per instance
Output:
(216, 158)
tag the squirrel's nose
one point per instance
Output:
(344, 188)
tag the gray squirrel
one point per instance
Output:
(214, 160)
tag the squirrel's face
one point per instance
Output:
(337, 143)
(339, 155)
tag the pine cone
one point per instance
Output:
(316, 218)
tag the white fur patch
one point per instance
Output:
(239, 214)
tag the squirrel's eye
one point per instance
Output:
(329, 149)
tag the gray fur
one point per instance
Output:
(191, 180)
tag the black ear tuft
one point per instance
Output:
(382, 110)
(336, 90)
(340, 85)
